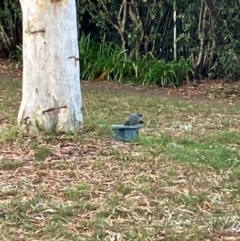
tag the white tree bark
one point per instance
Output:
(51, 94)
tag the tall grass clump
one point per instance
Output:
(16, 56)
(107, 61)
(102, 59)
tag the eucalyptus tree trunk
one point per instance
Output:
(51, 94)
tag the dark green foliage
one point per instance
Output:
(10, 26)
(101, 58)
(157, 72)
(16, 55)
(108, 58)
(151, 31)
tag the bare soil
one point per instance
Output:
(210, 91)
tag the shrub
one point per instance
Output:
(107, 61)
(16, 56)
(101, 61)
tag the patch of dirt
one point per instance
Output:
(214, 92)
(8, 68)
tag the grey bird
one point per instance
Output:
(134, 119)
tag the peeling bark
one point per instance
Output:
(51, 94)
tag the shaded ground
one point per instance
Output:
(212, 93)
(215, 92)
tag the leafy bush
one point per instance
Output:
(16, 56)
(10, 26)
(99, 58)
(229, 61)
(101, 61)
(102, 58)
(183, 69)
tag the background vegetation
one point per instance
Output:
(140, 33)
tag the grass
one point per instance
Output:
(179, 181)
(107, 61)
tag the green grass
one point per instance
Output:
(108, 61)
(179, 181)
(10, 164)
